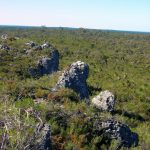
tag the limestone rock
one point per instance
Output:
(4, 37)
(5, 47)
(27, 51)
(42, 137)
(75, 78)
(45, 45)
(30, 44)
(105, 101)
(37, 47)
(46, 65)
(115, 130)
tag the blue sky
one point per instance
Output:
(133, 15)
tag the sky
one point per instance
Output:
(130, 15)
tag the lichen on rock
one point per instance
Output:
(105, 101)
(112, 129)
(75, 78)
(46, 65)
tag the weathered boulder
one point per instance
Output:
(37, 47)
(75, 78)
(42, 138)
(5, 47)
(27, 51)
(30, 44)
(105, 101)
(112, 129)
(4, 37)
(45, 45)
(41, 47)
(46, 65)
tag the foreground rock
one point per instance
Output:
(44, 137)
(41, 139)
(105, 101)
(46, 65)
(111, 129)
(75, 78)
(106, 130)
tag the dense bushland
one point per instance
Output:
(118, 61)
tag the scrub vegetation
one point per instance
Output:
(118, 62)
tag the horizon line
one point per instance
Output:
(39, 26)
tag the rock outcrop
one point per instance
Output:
(45, 45)
(4, 37)
(75, 78)
(30, 44)
(41, 47)
(111, 129)
(41, 139)
(5, 47)
(44, 137)
(105, 101)
(35, 46)
(46, 65)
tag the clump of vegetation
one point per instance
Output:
(62, 95)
